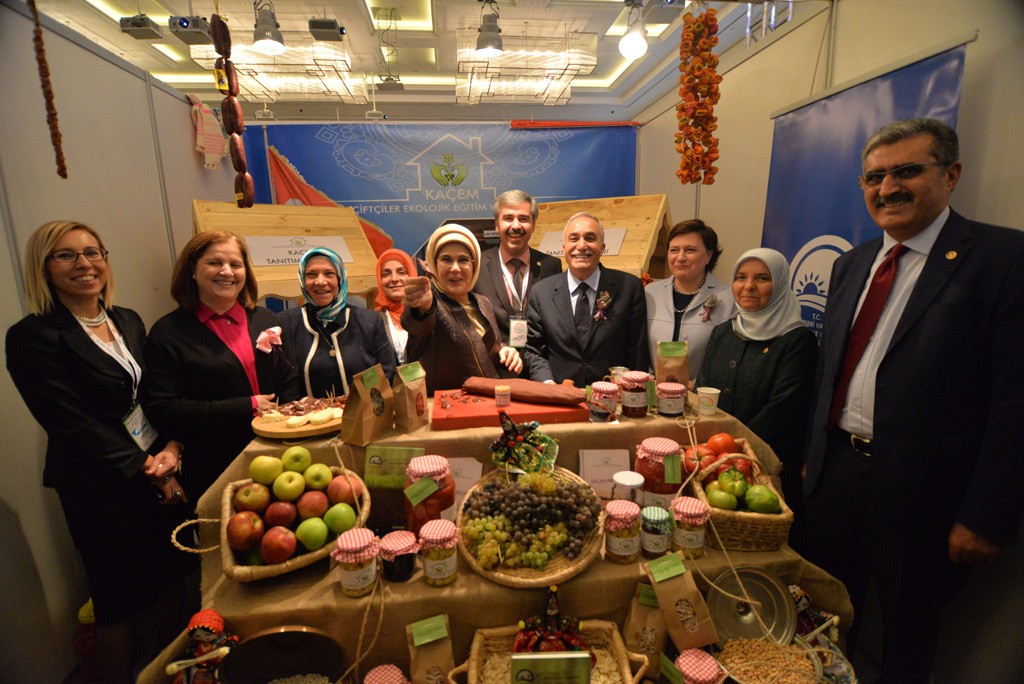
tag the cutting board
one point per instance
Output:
(454, 410)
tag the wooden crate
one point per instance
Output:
(292, 221)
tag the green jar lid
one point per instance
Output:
(657, 518)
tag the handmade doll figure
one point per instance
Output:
(206, 635)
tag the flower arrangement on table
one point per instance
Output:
(522, 446)
(699, 93)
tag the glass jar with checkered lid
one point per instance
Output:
(691, 516)
(698, 667)
(356, 552)
(429, 489)
(621, 531)
(634, 393)
(438, 539)
(650, 462)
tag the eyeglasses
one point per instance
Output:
(70, 256)
(447, 261)
(900, 173)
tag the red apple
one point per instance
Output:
(345, 489)
(252, 497)
(312, 504)
(244, 531)
(278, 545)
(280, 513)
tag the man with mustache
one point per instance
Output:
(507, 272)
(914, 449)
(590, 318)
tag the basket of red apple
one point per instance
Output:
(287, 515)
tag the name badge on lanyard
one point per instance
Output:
(517, 330)
(139, 427)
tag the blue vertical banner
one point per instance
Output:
(815, 210)
(407, 179)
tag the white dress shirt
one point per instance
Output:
(592, 281)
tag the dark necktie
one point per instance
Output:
(864, 327)
(581, 316)
(516, 267)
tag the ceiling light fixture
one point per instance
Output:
(267, 36)
(633, 43)
(488, 43)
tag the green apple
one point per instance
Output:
(340, 518)
(312, 533)
(318, 476)
(265, 469)
(289, 485)
(296, 458)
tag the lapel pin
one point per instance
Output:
(950, 255)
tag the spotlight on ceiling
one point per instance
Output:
(633, 43)
(488, 43)
(267, 36)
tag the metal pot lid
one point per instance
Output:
(283, 652)
(738, 619)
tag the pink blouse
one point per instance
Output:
(232, 327)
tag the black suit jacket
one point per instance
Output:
(199, 394)
(79, 395)
(491, 283)
(554, 353)
(949, 405)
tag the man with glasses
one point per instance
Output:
(914, 460)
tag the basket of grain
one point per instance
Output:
(759, 661)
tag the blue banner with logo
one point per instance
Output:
(815, 210)
(409, 178)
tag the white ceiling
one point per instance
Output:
(425, 50)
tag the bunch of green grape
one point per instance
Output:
(527, 522)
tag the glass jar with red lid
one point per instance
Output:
(650, 462)
(437, 469)
(634, 393)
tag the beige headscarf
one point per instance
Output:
(782, 312)
(453, 232)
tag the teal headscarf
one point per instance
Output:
(329, 313)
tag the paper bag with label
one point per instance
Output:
(682, 606)
(410, 390)
(369, 409)
(430, 650)
(644, 629)
(671, 364)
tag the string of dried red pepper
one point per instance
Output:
(699, 93)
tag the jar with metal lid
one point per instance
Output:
(398, 551)
(502, 395)
(655, 531)
(698, 667)
(622, 532)
(691, 516)
(385, 674)
(650, 462)
(628, 486)
(604, 400)
(429, 508)
(438, 540)
(356, 552)
(634, 393)
(671, 399)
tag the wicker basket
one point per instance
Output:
(746, 530)
(558, 568)
(598, 634)
(249, 573)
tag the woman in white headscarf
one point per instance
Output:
(452, 330)
(763, 361)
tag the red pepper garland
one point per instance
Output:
(698, 90)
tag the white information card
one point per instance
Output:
(281, 250)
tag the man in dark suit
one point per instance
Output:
(507, 272)
(589, 319)
(914, 460)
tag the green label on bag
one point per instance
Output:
(673, 475)
(565, 667)
(420, 490)
(670, 671)
(666, 567)
(411, 371)
(369, 377)
(385, 466)
(671, 349)
(429, 629)
(647, 596)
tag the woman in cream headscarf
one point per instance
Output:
(763, 361)
(452, 331)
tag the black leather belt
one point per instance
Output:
(862, 445)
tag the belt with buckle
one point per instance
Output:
(862, 445)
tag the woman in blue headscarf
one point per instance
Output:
(330, 341)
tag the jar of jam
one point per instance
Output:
(437, 469)
(655, 531)
(698, 667)
(398, 551)
(691, 516)
(356, 552)
(650, 462)
(671, 399)
(438, 540)
(385, 674)
(622, 532)
(604, 400)
(634, 393)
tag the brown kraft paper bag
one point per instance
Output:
(683, 608)
(430, 662)
(410, 393)
(671, 364)
(644, 629)
(369, 408)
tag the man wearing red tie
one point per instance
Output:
(915, 446)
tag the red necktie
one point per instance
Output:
(864, 326)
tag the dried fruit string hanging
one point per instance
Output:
(698, 93)
(44, 81)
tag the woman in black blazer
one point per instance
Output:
(77, 361)
(216, 360)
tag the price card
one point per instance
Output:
(429, 629)
(564, 667)
(670, 671)
(465, 471)
(598, 466)
(420, 490)
(666, 567)
(385, 466)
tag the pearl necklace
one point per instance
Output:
(691, 295)
(95, 322)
